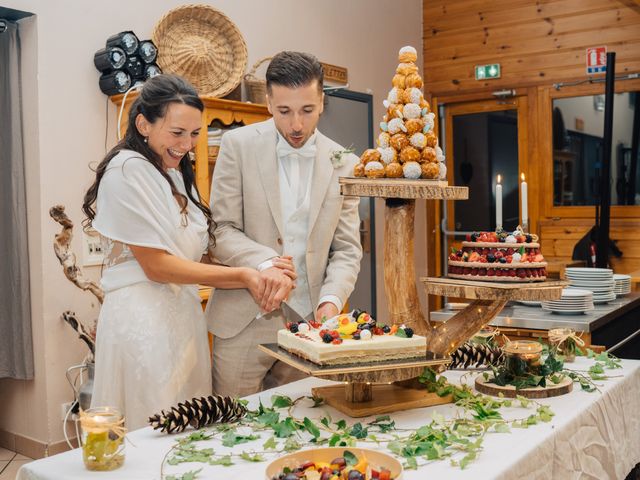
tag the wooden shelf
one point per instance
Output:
(401, 188)
(533, 291)
(228, 112)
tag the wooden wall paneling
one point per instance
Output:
(536, 43)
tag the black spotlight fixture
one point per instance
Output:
(127, 41)
(147, 51)
(151, 71)
(113, 83)
(109, 58)
(125, 61)
(134, 67)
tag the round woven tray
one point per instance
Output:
(204, 46)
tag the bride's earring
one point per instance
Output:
(146, 139)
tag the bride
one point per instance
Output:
(151, 344)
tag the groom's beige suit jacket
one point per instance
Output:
(245, 202)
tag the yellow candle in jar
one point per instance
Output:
(102, 438)
(524, 350)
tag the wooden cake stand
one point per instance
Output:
(364, 381)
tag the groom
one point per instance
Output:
(275, 192)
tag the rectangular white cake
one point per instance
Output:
(309, 345)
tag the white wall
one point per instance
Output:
(65, 117)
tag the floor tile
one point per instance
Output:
(3, 464)
(10, 472)
(21, 457)
(6, 454)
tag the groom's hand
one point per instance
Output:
(326, 310)
(276, 285)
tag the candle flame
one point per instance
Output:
(499, 178)
(522, 176)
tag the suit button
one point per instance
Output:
(279, 241)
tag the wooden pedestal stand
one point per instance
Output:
(365, 381)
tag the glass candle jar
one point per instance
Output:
(102, 438)
(522, 356)
(563, 342)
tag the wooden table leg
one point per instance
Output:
(399, 269)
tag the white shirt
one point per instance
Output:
(295, 178)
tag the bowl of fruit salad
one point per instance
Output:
(335, 463)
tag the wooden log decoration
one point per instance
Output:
(358, 392)
(399, 269)
(62, 248)
(446, 337)
(85, 335)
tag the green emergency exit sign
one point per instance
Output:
(484, 72)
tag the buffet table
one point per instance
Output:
(596, 435)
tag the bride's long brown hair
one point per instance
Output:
(155, 97)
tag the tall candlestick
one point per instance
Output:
(498, 204)
(524, 201)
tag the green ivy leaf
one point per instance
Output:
(232, 438)
(411, 464)
(291, 445)
(268, 418)
(311, 427)
(270, 444)
(190, 475)
(252, 457)
(224, 461)
(281, 401)
(468, 458)
(358, 431)
(284, 428)
(502, 428)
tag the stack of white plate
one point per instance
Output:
(573, 301)
(598, 280)
(623, 284)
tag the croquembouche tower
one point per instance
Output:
(407, 142)
(407, 165)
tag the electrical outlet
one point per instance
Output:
(64, 408)
(92, 253)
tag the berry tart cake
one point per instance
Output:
(350, 338)
(499, 257)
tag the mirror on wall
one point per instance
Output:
(578, 125)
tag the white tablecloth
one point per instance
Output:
(592, 435)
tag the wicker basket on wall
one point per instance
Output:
(204, 46)
(255, 87)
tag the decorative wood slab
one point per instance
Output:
(551, 390)
(372, 372)
(385, 399)
(453, 287)
(401, 188)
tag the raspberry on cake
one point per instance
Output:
(351, 338)
(499, 256)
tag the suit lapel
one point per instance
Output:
(321, 179)
(267, 161)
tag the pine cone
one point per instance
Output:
(475, 355)
(199, 412)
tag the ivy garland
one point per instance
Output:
(460, 439)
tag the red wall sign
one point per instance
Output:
(596, 60)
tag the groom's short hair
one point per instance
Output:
(293, 70)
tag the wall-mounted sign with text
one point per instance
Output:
(596, 60)
(485, 72)
(334, 73)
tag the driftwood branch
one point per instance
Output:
(85, 335)
(67, 258)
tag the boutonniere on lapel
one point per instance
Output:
(336, 156)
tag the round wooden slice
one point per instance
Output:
(551, 390)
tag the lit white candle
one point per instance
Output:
(524, 201)
(498, 204)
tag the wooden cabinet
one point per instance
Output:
(228, 112)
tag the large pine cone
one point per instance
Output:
(475, 355)
(198, 413)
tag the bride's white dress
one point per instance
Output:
(151, 347)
